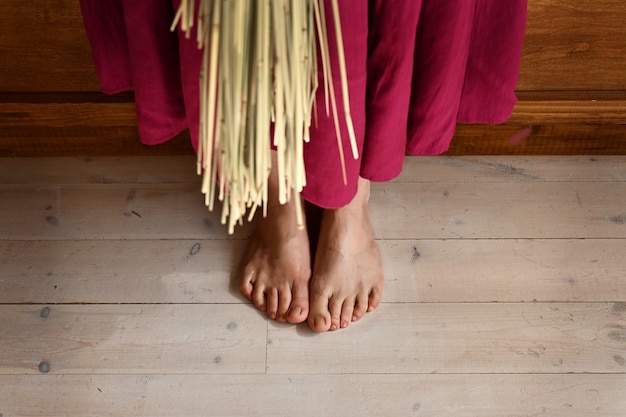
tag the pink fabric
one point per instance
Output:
(415, 69)
(133, 49)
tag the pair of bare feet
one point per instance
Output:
(344, 281)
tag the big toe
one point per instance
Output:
(246, 285)
(319, 316)
(374, 299)
(246, 289)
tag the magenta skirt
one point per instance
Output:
(415, 69)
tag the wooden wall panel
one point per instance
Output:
(43, 47)
(572, 86)
(573, 44)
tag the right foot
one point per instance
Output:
(276, 267)
(348, 275)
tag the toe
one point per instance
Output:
(247, 286)
(335, 313)
(374, 299)
(319, 316)
(347, 311)
(258, 297)
(272, 303)
(284, 300)
(360, 307)
(246, 289)
(299, 307)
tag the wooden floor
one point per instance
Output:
(505, 296)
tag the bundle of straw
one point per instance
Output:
(259, 71)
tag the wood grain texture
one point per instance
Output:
(114, 209)
(113, 339)
(461, 338)
(410, 338)
(572, 87)
(313, 395)
(507, 168)
(571, 45)
(26, 141)
(109, 129)
(400, 211)
(542, 110)
(150, 211)
(117, 298)
(43, 47)
(565, 111)
(551, 139)
(60, 115)
(119, 271)
(439, 169)
(99, 170)
(205, 271)
(503, 270)
(574, 45)
(496, 210)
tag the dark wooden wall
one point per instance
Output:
(572, 88)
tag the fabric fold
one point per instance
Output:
(415, 69)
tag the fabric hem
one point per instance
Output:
(164, 138)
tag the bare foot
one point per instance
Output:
(347, 276)
(276, 267)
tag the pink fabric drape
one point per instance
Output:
(415, 69)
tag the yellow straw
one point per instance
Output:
(259, 67)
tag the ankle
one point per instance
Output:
(362, 197)
(359, 205)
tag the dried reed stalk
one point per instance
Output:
(259, 71)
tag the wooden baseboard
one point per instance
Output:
(68, 125)
(551, 139)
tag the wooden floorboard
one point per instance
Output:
(417, 169)
(445, 210)
(96, 339)
(505, 296)
(146, 271)
(560, 395)
(462, 338)
(175, 271)
(409, 338)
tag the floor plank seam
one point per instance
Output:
(311, 374)
(267, 343)
(383, 302)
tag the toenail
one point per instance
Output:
(344, 324)
(295, 310)
(319, 321)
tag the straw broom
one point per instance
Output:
(259, 70)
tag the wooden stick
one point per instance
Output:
(344, 79)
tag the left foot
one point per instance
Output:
(347, 277)
(276, 267)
